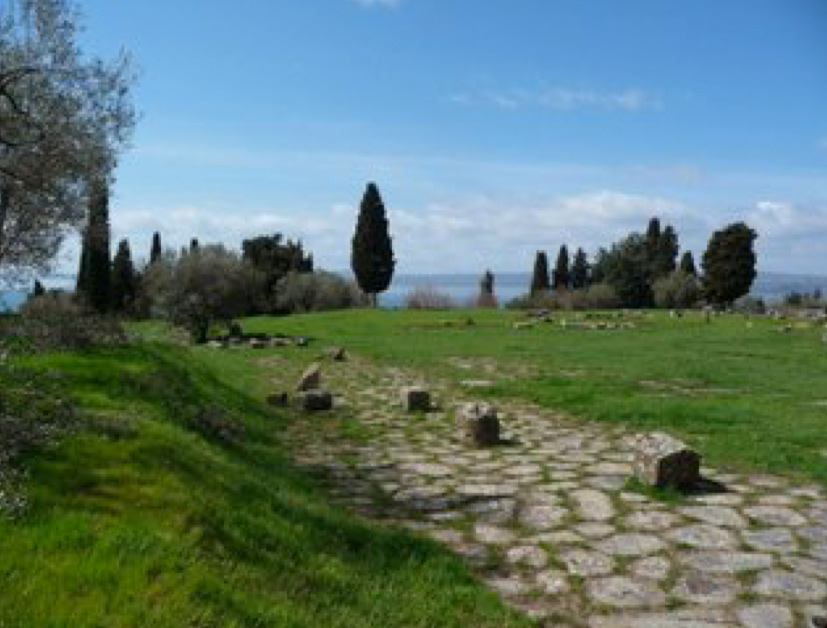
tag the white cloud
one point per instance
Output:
(559, 98)
(386, 4)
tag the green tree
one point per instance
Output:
(274, 258)
(562, 278)
(580, 270)
(486, 297)
(94, 278)
(677, 290)
(194, 245)
(124, 279)
(155, 251)
(372, 258)
(729, 264)
(666, 254)
(39, 290)
(64, 118)
(539, 279)
(687, 264)
(626, 267)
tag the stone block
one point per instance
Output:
(662, 460)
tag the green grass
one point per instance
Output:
(747, 397)
(142, 520)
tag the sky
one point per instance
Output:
(493, 128)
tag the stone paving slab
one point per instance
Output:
(546, 520)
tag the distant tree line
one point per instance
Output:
(645, 270)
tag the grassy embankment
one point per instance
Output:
(748, 396)
(146, 518)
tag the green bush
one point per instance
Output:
(317, 291)
(677, 290)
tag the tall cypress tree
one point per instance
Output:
(194, 245)
(667, 252)
(94, 276)
(561, 270)
(729, 264)
(124, 280)
(155, 251)
(372, 258)
(580, 270)
(688, 264)
(539, 279)
(39, 290)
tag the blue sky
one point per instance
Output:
(493, 128)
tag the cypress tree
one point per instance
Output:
(486, 297)
(194, 246)
(39, 290)
(562, 278)
(580, 270)
(124, 280)
(729, 264)
(82, 285)
(95, 271)
(688, 264)
(539, 279)
(372, 258)
(667, 253)
(155, 251)
(653, 236)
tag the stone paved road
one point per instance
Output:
(546, 522)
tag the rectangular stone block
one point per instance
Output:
(662, 460)
(416, 399)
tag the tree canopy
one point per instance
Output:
(372, 258)
(729, 264)
(64, 118)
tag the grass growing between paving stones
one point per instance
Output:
(747, 396)
(181, 520)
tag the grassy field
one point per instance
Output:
(748, 396)
(145, 517)
(151, 515)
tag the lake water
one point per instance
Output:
(465, 287)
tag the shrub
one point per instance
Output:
(55, 322)
(599, 296)
(32, 415)
(196, 289)
(428, 298)
(317, 291)
(677, 290)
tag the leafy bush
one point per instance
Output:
(428, 298)
(32, 415)
(317, 291)
(199, 288)
(677, 290)
(55, 322)
(599, 296)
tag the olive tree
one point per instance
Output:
(204, 287)
(64, 118)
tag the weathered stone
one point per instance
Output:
(631, 544)
(542, 516)
(770, 540)
(586, 563)
(416, 399)
(530, 555)
(765, 616)
(716, 515)
(652, 520)
(593, 505)
(480, 423)
(278, 399)
(652, 567)
(337, 354)
(493, 535)
(706, 589)
(728, 562)
(594, 529)
(662, 460)
(622, 592)
(553, 582)
(791, 586)
(316, 400)
(775, 515)
(311, 379)
(703, 536)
